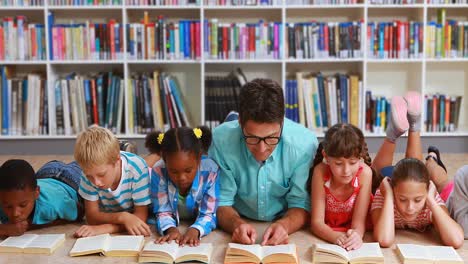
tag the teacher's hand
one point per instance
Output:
(244, 234)
(275, 234)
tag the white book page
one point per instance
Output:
(366, 250)
(169, 248)
(18, 241)
(254, 249)
(90, 243)
(444, 253)
(334, 248)
(289, 249)
(132, 243)
(411, 251)
(202, 249)
(46, 241)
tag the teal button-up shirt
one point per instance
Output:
(264, 191)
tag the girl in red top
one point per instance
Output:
(341, 182)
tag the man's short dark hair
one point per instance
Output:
(261, 101)
(17, 174)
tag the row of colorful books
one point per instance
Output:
(449, 40)
(163, 2)
(442, 112)
(221, 96)
(319, 101)
(398, 39)
(156, 102)
(377, 113)
(321, 2)
(242, 2)
(447, 1)
(21, 2)
(84, 2)
(262, 40)
(164, 40)
(20, 40)
(85, 41)
(392, 2)
(324, 40)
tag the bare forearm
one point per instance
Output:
(110, 228)
(325, 232)
(294, 219)
(229, 219)
(98, 218)
(384, 228)
(450, 231)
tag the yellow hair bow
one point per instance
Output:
(160, 138)
(198, 133)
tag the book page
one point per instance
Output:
(253, 249)
(46, 241)
(366, 250)
(333, 248)
(444, 253)
(93, 243)
(169, 248)
(411, 251)
(202, 249)
(289, 249)
(126, 243)
(18, 241)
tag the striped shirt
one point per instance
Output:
(420, 223)
(201, 201)
(133, 189)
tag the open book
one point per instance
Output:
(33, 244)
(329, 253)
(238, 253)
(172, 253)
(115, 246)
(410, 253)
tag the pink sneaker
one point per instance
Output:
(413, 100)
(399, 121)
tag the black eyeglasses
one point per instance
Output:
(254, 140)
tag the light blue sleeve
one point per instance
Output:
(227, 183)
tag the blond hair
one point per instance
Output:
(96, 146)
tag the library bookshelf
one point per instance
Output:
(386, 77)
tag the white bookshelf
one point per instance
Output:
(383, 77)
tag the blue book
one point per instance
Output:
(40, 49)
(381, 40)
(171, 40)
(50, 21)
(206, 37)
(117, 40)
(442, 113)
(344, 97)
(5, 101)
(295, 101)
(187, 39)
(87, 93)
(178, 99)
(378, 105)
(323, 100)
(108, 99)
(315, 99)
(182, 39)
(383, 110)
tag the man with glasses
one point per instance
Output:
(264, 162)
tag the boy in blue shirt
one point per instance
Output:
(115, 185)
(29, 200)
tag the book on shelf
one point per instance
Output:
(446, 38)
(21, 40)
(442, 112)
(222, 96)
(318, 101)
(22, 3)
(77, 102)
(242, 2)
(321, 2)
(163, 39)
(84, 2)
(157, 103)
(32, 243)
(163, 2)
(392, 2)
(438, 2)
(24, 107)
(395, 40)
(173, 253)
(244, 41)
(377, 112)
(329, 253)
(107, 245)
(85, 41)
(324, 40)
(414, 254)
(238, 253)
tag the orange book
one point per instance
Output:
(447, 113)
(2, 48)
(111, 26)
